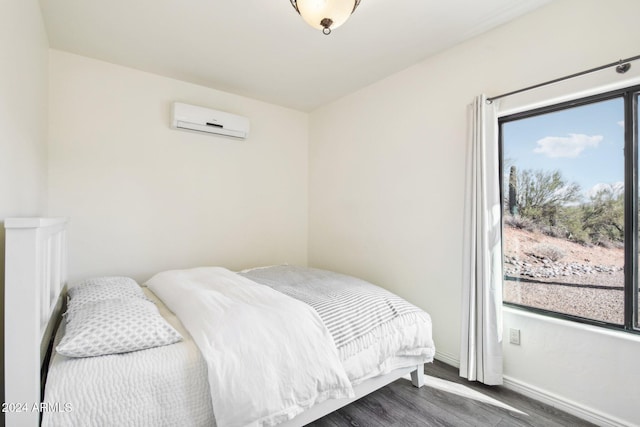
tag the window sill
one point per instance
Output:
(598, 330)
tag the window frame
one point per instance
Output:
(630, 96)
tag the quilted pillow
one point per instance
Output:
(115, 326)
(102, 288)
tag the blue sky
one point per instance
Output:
(585, 143)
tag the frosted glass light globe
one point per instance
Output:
(325, 14)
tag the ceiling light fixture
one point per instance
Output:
(325, 15)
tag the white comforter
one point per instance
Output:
(269, 356)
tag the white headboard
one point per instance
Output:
(35, 278)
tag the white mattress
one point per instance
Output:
(162, 386)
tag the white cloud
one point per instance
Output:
(568, 146)
(615, 189)
(621, 123)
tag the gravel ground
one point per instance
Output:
(562, 276)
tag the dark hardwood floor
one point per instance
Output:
(447, 400)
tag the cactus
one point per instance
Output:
(513, 181)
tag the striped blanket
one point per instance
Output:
(349, 307)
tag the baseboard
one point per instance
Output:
(448, 359)
(563, 404)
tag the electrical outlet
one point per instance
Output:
(514, 336)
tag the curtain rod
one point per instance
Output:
(622, 66)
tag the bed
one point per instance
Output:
(187, 380)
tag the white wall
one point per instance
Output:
(23, 122)
(387, 167)
(593, 371)
(23, 108)
(142, 197)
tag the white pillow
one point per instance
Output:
(102, 288)
(115, 326)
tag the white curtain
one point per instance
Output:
(481, 341)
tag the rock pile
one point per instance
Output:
(545, 268)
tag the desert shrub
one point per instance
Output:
(541, 195)
(543, 201)
(555, 231)
(572, 221)
(580, 236)
(519, 222)
(603, 217)
(550, 252)
(609, 244)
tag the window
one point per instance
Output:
(635, 293)
(570, 209)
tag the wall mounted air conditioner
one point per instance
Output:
(205, 120)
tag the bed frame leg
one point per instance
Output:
(417, 376)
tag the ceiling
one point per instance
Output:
(262, 48)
